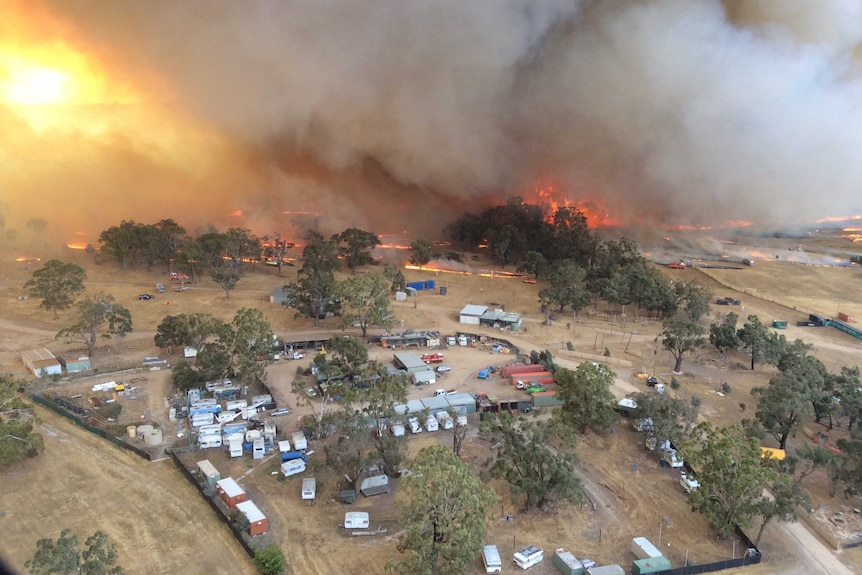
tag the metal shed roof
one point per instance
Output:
(230, 487)
(436, 403)
(40, 354)
(251, 512)
(415, 406)
(460, 399)
(409, 360)
(473, 309)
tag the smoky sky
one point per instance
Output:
(400, 114)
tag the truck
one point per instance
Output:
(433, 358)
(676, 265)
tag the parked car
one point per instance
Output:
(181, 288)
(443, 368)
(278, 412)
(311, 392)
(146, 296)
(652, 381)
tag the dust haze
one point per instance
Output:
(401, 115)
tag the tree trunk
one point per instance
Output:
(760, 531)
(677, 368)
(782, 442)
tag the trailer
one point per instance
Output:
(291, 455)
(293, 467)
(299, 441)
(444, 420)
(528, 556)
(356, 520)
(566, 563)
(200, 419)
(309, 488)
(234, 443)
(431, 423)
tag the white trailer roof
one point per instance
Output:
(251, 512)
(474, 310)
(207, 468)
(230, 487)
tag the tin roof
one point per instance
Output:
(251, 512)
(230, 487)
(473, 309)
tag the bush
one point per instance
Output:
(725, 388)
(674, 383)
(239, 520)
(570, 346)
(742, 407)
(695, 401)
(269, 560)
(607, 352)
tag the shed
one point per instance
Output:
(426, 376)
(309, 488)
(546, 399)
(499, 318)
(462, 402)
(471, 314)
(209, 473)
(41, 362)
(230, 492)
(75, 365)
(278, 295)
(415, 406)
(356, 520)
(409, 362)
(643, 549)
(566, 563)
(375, 484)
(437, 403)
(257, 522)
(652, 565)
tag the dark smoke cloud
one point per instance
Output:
(688, 111)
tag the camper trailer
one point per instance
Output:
(309, 488)
(491, 559)
(431, 423)
(293, 467)
(528, 556)
(299, 441)
(356, 520)
(414, 425)
(444, 420)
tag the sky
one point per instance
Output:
(394, 116)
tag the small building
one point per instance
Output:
(652, 565)
(424, 377)
(409, 361)
(373, 483)
(498, 318)
(566, 563)
(643, 549)
(257, 521)
(472, 314)
(208, 473)
(435, 404)
(279, 295)
(41, 362)
(462, 402)
(606, 570)
(230, 492)
(75, 365)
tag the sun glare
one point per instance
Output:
(25, 84)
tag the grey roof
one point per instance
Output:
(460, 399)
(500, 315)
(409, 359)
(436, 403)
(472, 309)
(415, 406)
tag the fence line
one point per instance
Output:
(185, 472)
(45, 402)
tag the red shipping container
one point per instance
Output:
(510, 370)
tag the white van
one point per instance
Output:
(528, 556)
(356, 520)
(491, 559)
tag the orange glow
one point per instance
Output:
(76, 246)
(28, 260)
(393, 247)
(236, 213)
(554, 198)
(480, 273)
(832, 219)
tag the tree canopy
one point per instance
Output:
(586, 395)
(365, 301)
(57, 284)
(98, 316)
(355, 246)
(421, 251)
(313, 295)
(443, 515)
(65, 557)
(535, 471)
(18, 438)
(680, 336)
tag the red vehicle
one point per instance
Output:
(433, 358)
(677, 266)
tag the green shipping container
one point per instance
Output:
(566, 563)
(546, 399)
(651, 565)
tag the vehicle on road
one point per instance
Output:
(278, 412)
(146, 296)
(443, 369)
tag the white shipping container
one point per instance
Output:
(643, 549)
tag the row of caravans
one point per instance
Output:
(433, 422)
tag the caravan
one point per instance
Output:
(299, 441)
(309, 488)
(293, 467)
(414, 425)
(528, 556)
(491, 559)
(431, 423)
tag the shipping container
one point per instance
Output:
(566, 563)
(653, 565)
(606, 570)
(643, 549)
(510, 370)
(230, 492)
(845, 317)
(546, 399)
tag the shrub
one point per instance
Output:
(695, 401)
(674, 383)
(269, 560)
(725, 387)
(239, 520)
(607, 352)
(570, 346)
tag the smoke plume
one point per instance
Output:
(393, 115)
